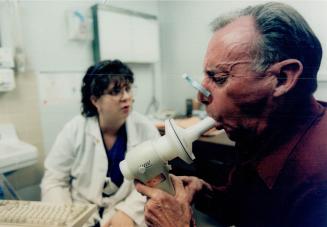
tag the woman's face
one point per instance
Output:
(116, 102)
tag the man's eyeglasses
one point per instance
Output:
(221, 77)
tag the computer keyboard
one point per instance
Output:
(37, 214)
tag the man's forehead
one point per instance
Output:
(231, 43)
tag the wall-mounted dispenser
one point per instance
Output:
(79, 26)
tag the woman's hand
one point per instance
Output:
(119, 219)
(163, 209)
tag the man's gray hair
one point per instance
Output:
(284, 34)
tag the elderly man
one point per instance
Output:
(260, 67)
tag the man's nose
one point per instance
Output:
(202, 98)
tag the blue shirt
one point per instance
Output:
(115, 155)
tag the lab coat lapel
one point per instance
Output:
(100, 157)
(132, 132)
(94, 131)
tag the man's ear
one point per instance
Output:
(288, 73)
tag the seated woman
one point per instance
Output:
(83, 164)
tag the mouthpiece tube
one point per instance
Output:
(195, 131)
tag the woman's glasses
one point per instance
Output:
(119, 91)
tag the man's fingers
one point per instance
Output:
(195, 182)
(148, 191)
(185, 179)
(144, 190)
(178, 184)
(208, 186)
(151, 211)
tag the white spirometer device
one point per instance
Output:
(148, 161)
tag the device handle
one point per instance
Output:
(162, 181)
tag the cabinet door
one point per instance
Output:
(145, 36)
(114, 32)
(127, 35)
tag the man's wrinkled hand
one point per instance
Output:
(193, 185)
(165, 210)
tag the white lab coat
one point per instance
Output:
(76, 167)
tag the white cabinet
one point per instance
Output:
(126, 35)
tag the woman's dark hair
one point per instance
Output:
(97, 79)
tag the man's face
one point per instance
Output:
(241, 99)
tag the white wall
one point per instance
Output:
(45, 32)
(185, 32)
(60, 63)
